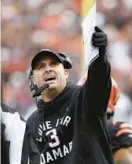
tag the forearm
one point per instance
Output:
(99, 71)
(123, 156)
(125, 160)
(99, 85)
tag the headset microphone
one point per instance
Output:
(41, 89)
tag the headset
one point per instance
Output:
(32, 86)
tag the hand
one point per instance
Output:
(118, 128)
(100, 40)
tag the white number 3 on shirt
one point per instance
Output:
(54, 138)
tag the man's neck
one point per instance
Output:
(50, 95)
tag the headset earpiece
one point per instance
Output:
(31, 84)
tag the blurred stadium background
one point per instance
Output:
(29, 25)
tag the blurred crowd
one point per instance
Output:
(115, 17)
(29, 25)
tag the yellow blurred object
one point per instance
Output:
(86, 6)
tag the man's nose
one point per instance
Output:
(48, 68)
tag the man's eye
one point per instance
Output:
(40, 66)
(54, 64)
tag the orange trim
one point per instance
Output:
(123, 131)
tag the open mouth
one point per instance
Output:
(50, 78)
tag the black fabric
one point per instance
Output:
(122, 141)
(78, 118)
(99, 39)
(61, 57)
(6, 108)
(41, 54)
(53, 106)
(4, 147)
(66, 60)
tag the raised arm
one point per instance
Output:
(97, 86)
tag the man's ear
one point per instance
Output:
(33, 78)
(66, 73)
(33, 81)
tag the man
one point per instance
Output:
(13, 137)
(69, 126)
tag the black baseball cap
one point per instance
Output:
(62, 58)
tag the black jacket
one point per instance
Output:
(72, 128)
